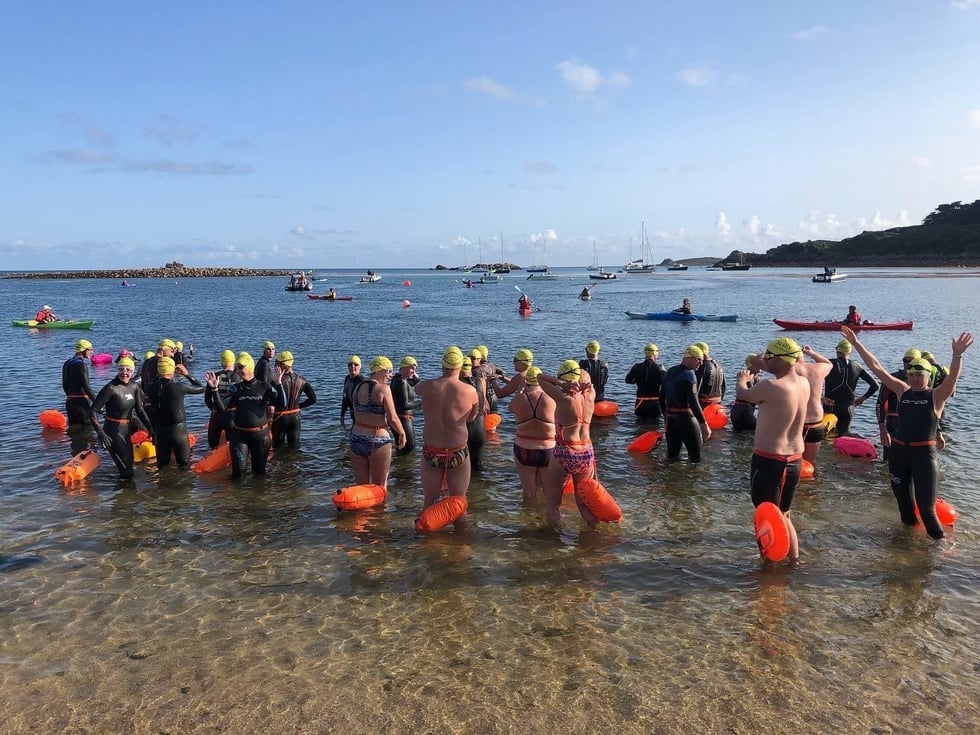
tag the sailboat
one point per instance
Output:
(480, 267)
(502, 267)
(643, 265)
(539, 267)
(542, 272)
(595, 259)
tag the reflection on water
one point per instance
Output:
(181, 603)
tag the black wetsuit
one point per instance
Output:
(490, 373)
(169, 418)
(119, 400)
(405, 400)
(476, 430)
(78, 391)
(839, 388)
(347, 403)
(742, 415)
(251, 401)
(648, 377)
(886, 408)
(286, 426)
(263, 370)
(684, 414)
(912, 461)
(598, 371)
(711, 382)
(220, 422)
(147, 376)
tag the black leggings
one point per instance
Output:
(683, 428)
(476, 431)
(218, 424)
(914, 476)
(120, 446)
(408, 424)
(254, 444)
(172, 439)
(844, 414)
(285, 429)
(743, 417)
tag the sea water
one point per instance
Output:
(184, 603)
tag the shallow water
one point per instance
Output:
(194, 604)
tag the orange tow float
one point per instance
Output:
(771, 531)
(78, 467)
(447, 509)
(52, 419)
(597, 499)
(358, 497)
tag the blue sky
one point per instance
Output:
(347, 134)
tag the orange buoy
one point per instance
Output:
(771, 531)
(645, 442)
(217, 459)
(144, 451)
(597, 499)
(856, 446)
(807, 470)
(945, 512)
(715, 416)
(491, 421)
(441, 513)
(406, 303)
(53, 419)
(605, 408)
(77, 467)
(358, 497)
(138, 437)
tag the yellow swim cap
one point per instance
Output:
(354, 360)
(484, 350)
(703, 347)
(285, 356)
(245, 360)
(531, 376)
(167, 344)
(694, 351)
(912, 353)
(166, 366)
(749, 358)
(82, 345)
(467, 363)
(148, 354)
(227, 359)
(919, 365)
(452, 358)
(268, 345)
(408, 361)
(380, 363)
(570, 370)
(592, 348)
(127, 362)
(524, 355)
(475, 354)
(843, 346)
(179, 345)
(650, 349)
(787, 349)
(926, 355)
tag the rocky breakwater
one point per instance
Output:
(170, 270)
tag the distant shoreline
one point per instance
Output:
(168, 271)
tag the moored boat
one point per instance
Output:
(602, 275)
(833, 326)
(60, 324)
(299, 282)
(677, 267)
(671, 316)
(371, 277)
(829, 275)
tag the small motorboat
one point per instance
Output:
(299, 282)
(602, 275)
(371, 277)
(829, 275)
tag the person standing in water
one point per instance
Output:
(74, 381)
(406, 402)
(814, 373)
(648, 377)
(840, 387)
(351, 381)
(120, 399)
(290, 387)
(169, 416)
(219, 424)
(597, 369)
(778, 449)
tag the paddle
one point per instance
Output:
(534, 307)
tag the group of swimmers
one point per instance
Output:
(257, 403)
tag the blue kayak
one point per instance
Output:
(670, 316)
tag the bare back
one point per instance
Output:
(782, 405)
(448, 404)
(814, 374)
(535, 414)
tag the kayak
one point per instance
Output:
(324, 297)
(669, 316)
(524, 312)
(833, 326)
(60, 324)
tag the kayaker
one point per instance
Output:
(853, 317)
(524, 303)
(912, 463)
(331, 294)
(684, 308)
(45, 314)
(586, 294)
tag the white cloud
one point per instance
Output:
(808, 34)
(544, 236)
(587, 79)
(722, 227)
(486, 85)
(752, 225)
(966, 4)
(298, 230)
(974, 116)
(460, 240)
(922, 161)
(972, 173)
(698, 76)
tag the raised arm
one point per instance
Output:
(944, 390)
(874, 365)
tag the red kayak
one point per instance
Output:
(324, 297)
(832, 326)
